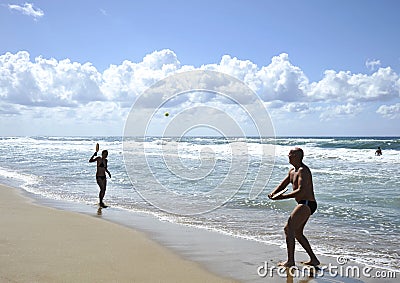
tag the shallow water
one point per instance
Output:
(357, 192)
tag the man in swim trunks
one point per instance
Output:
(303, 192)
(101, 174)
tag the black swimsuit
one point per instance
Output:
(102, 166)
(310, 203)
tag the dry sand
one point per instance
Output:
(40, 244)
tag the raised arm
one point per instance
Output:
(93, 159)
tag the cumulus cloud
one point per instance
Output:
(51, 83)
(384, 84)
(47, 82)
(281, 80)
(244, 70)
(389, 111)
(126, 81)
(40, 82)
(27, 9)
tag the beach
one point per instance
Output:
(54, 230)
(41, 244)
(44, 244)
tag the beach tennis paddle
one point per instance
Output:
(279, 193)
(97, 147)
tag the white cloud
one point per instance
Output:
(243, 70)
(7, 109)
(297, 107)
(340, 111)
(372, 65)
(281, 80)
(28, 10)
(125, 82)
(274, 104)
(47, 82)
(389, 111)
(384, 84)
(285, 89)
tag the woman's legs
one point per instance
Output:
(102, 182)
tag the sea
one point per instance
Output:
(222, 184)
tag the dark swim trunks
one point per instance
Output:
(310, 203)
(101, 177)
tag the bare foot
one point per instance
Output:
(311, 262)
(286, 264)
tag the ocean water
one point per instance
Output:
(357, 192)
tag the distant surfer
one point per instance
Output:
(303, 192)
(101, 173)
(378, 152)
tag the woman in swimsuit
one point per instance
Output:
(101, 173)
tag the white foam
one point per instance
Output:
(22, 180)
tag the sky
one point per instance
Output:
(321, 68)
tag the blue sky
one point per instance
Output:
(321, 67)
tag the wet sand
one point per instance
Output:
(41, 244)
(72, 243)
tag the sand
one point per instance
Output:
(41, 244)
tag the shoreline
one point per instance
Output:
(212, 252)
(43, 244)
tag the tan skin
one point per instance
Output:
(101, 173)
(301, 179)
